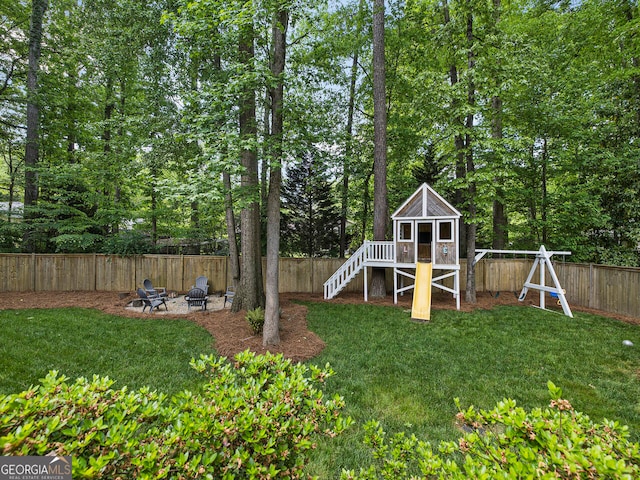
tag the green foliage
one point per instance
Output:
(128, 243)
(139, 106)
(255, 318)
(255, 418)
(10, 236)
(618, 255)
(509, 442)
(310, 219)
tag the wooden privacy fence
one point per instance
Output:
(610, 289)
(94, 272)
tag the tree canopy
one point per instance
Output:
(524, 114)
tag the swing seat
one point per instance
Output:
(555, 295)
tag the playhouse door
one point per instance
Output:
(425, 241)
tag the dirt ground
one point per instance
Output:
(231, 331)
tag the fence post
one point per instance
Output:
(182, 287)
(313, 274)
(591, 286)
(33, 272)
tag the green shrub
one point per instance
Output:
(127, 243)
(509, 442)
(255, 318)
(255, 418)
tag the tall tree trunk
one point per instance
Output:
(470, 291)
(344, 208)
(532, 185)
(71, 115)
(234, 258)
(271, 330)
(458, 142)
(380, 207)
(365, 207)
(264, 167)
(154, 212)
(13, 167)
(109, 108)
(120, 149)
(194, 218)
(250, 293)
(194, 75)
(32, 149)
(499, 214)
(311, 215)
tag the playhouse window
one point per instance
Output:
(445, 231)
(405, 231)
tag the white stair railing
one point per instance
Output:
(369, 252)
(380, 252)
(347, 271)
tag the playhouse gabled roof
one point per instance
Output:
(425, 203)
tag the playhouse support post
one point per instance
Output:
(542, 277)
(366, 284)
(395, 286)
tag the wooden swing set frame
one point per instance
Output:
(543, 261)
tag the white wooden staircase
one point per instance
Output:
(369, 254)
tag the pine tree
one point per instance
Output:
(310, 222)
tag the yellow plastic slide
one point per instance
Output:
(421, 307)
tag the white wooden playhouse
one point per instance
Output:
(426, 228)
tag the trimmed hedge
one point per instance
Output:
(255, 418)
(508, 442)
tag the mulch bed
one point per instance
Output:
(231, 331)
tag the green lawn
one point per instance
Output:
(403, 373)
(406, 374)
(82, 342)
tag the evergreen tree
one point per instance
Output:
(426, 169)
(310, 223)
